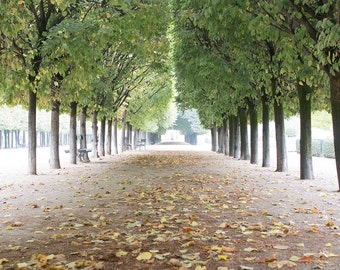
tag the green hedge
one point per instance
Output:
(328, 149)
(320, 148)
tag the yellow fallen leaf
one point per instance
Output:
(121, 253)
(223, 225)
(194, 223)
(187, 244)
(294, 258)
(329, 255)
(222, 257)
(330, 224)
(144, 256)
(300, 245)
(314, 229)
(163, 220)
(3, 260)
(328, 245)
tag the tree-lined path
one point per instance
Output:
(163, 209)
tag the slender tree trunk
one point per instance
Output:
(306, 160)
(232, 136)
(95, 134)
(129, 133)
(32, 133)
(12, 139)
(214, 138)
(135, 137)
(237, 138)
(109, 137)
(244, 134)
(102, 137)
(335, 102)
(1, 139)
(220, 132)
(73, 132)
(54, 147)
(281, 150)
(254, 133)
(83, 140)
(265, 132)
(124, 139)
(115, 135)
(226, 136)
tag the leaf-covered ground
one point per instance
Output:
(168, 210)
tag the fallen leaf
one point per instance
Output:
(330, 224)
(281, 247)
(306, 259)
(121, 253)
(294, 258)
(144, 256)
(222, 257)
(3, 260)
(187, 244)
(314, 229)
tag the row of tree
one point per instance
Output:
(234, 57)
(98, 58)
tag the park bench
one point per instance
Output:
(81, 154)
(141, 143)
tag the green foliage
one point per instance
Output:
(101, 51)
(328, 149)
(320, 148)
(188, 123)
(322, 119)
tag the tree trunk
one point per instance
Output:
(32, 133)
(232, 136)
(109, 137)
(244, 134)
(129, 133)
(335, 102)
(237, 138)
(281, 151)
(265, 132)
(220, 133)
(123, 139)
(73, 132)
(54, 147)
(254, 133)
(102, 137)
(214, 138)
(95, 134)
(226, 136)
(83, 140)
(306, 160)
(115, 135)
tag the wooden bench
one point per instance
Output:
(82, 152)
